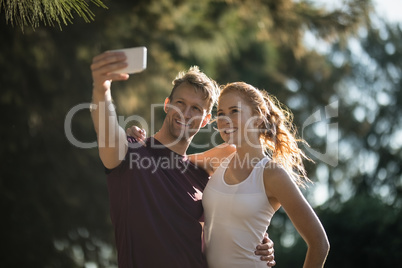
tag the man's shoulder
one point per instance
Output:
(134, 148)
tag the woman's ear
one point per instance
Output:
(166, 105)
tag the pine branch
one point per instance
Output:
(50, 12)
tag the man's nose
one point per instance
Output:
(187, 112)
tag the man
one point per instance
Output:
(155, 191)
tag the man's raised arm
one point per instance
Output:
(112, 142)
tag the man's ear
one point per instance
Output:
(166, 105)
(206, 120)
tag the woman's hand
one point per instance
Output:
(138, 133)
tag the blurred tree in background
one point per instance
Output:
(341, 65)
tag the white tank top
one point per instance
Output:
(236, 218)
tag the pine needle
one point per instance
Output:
(49, 12)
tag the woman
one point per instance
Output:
(248, 187)
(259, 176)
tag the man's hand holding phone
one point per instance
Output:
(136, 59)
(115, 65)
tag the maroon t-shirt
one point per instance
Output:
(155, 205)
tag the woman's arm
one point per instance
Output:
(212, 158)
(208, 160)
(282, 191)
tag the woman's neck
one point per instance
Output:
(250, 152)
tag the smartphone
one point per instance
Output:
(136, 59)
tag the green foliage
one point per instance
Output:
(362, 230)
(370, 95)
(23, 12)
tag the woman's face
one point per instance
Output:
(236, 120)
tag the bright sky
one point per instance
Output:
(389, 9)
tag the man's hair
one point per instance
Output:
(200, 81)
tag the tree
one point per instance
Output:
(363, 232)
(368, 226)
(375, 103)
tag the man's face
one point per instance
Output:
(186, 112)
